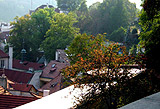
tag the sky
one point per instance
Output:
(138, 2)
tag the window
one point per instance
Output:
(53, 65)
(2, 64)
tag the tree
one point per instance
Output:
(118, 35)
(100, 71)
(82, 44)
(32, 29)
(60, 34)
(83, 18)
(108, 16)
(83, 7)
(69, 5)
(41, 24)
(22, 33)
(149, 38)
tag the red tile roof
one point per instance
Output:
(48, 70)
(53, 70)
(12, 101)
(3, 54)
(21, 87)
(54, 85)
(26, 65)
(17, 76)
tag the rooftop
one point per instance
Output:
(54, 85)
(3, 54)
(53, 73)
(16, 76)
(49, 72)
(26, 65)
(12, 101)
(21, 87)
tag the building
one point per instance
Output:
(11, 86)
(22, 89)
(61, 56)
(5, 59)
(12, 101)
(4, 36)
(51, 78)
(27, 66)
(5, 27)
(16, 76)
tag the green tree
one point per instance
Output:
(82, 45)
(108, 16)
(41, 24)
(22, 31)
(83, 7)
(118, 35)
(68, 5)
(83, 18)
(32, 30)
(60, 34)
(149, 38)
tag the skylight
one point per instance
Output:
(53, 65)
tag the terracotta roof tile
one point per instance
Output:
(54, 85)
(12, 101)
(26, 65)
(3, 54)
(53, 70)
(17, 76)
(48, 70)
(21, 87)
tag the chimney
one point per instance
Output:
(45, 93)
(10, 57)
(57, 54)
(3, 81)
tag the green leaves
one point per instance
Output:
(84, 45)
(44, 30)
(150, 22)
(60, 34)
(32, 29)
(68, 5)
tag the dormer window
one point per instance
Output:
(53, 65)
(31, 69)
(53, 85)
(52, 70)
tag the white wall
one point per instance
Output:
(6, 61)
